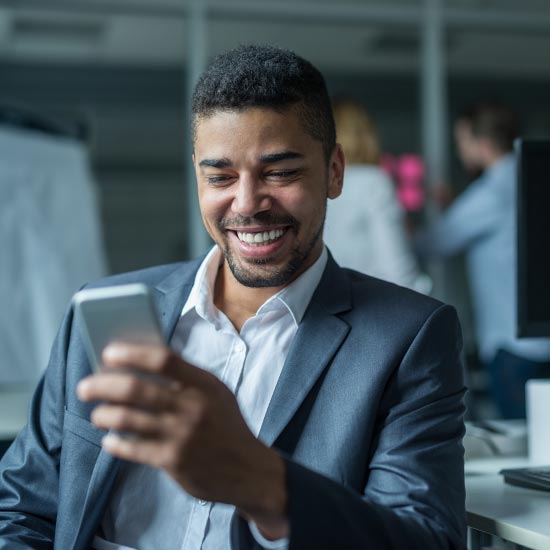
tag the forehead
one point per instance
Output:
(256, 127)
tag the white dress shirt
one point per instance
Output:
(148, 510)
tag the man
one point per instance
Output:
(481, 222)
(302, 405)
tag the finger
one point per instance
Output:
(130, 420)
(158, 360)
(149, 358)
(145, 451)
(129, 389)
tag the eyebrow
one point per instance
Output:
(216, 163)
(264, 159)
(278, 157)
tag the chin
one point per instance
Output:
(253, 276)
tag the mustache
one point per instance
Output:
(262, 218)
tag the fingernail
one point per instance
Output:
(113, 352)
(82, 388)
(109, 440)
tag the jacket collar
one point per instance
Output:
(170, 295)
(319, 337)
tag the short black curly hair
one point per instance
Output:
(270, 77)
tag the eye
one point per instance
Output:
(282, 174)
(217, 180)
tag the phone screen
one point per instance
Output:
(123, 313)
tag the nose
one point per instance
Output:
(250, 197)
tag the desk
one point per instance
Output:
(518, 515)
(515, 514)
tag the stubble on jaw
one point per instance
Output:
(255, 276)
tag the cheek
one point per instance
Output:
(307, 207)
(213, 205)
(302, 198)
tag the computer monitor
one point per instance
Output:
(533, 237)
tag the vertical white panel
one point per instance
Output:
(434, 116)
(434, 92)
(198, 239)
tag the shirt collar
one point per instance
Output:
(295, 297)
(502, 164)
(202, 294)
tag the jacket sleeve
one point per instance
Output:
(29, 471)
(414, 494)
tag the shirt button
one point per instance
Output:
(241, 346)
(203, 502)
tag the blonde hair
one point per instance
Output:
(356, 132)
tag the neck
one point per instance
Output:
(493, 157)
(236, 301)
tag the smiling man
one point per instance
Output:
(299, 405)
(263, 185)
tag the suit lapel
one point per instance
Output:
(171, 294)
(319, 337)
(103, 476)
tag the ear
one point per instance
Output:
(336, 172)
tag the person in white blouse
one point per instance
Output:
(302, 405)
(364, 228)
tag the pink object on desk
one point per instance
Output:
(407, 171)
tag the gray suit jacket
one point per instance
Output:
(367, 413)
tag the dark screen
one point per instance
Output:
(534, 239)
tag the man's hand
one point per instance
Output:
(185, 421)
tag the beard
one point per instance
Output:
(259, 273)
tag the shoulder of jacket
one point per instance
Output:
(368, 291)
(149, 275)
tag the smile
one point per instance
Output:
(261, 237)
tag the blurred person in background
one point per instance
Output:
(481, 222)
(364, 228)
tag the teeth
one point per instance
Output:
(260, 238)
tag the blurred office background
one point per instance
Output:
(117, 75)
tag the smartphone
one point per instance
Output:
(124, 313)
